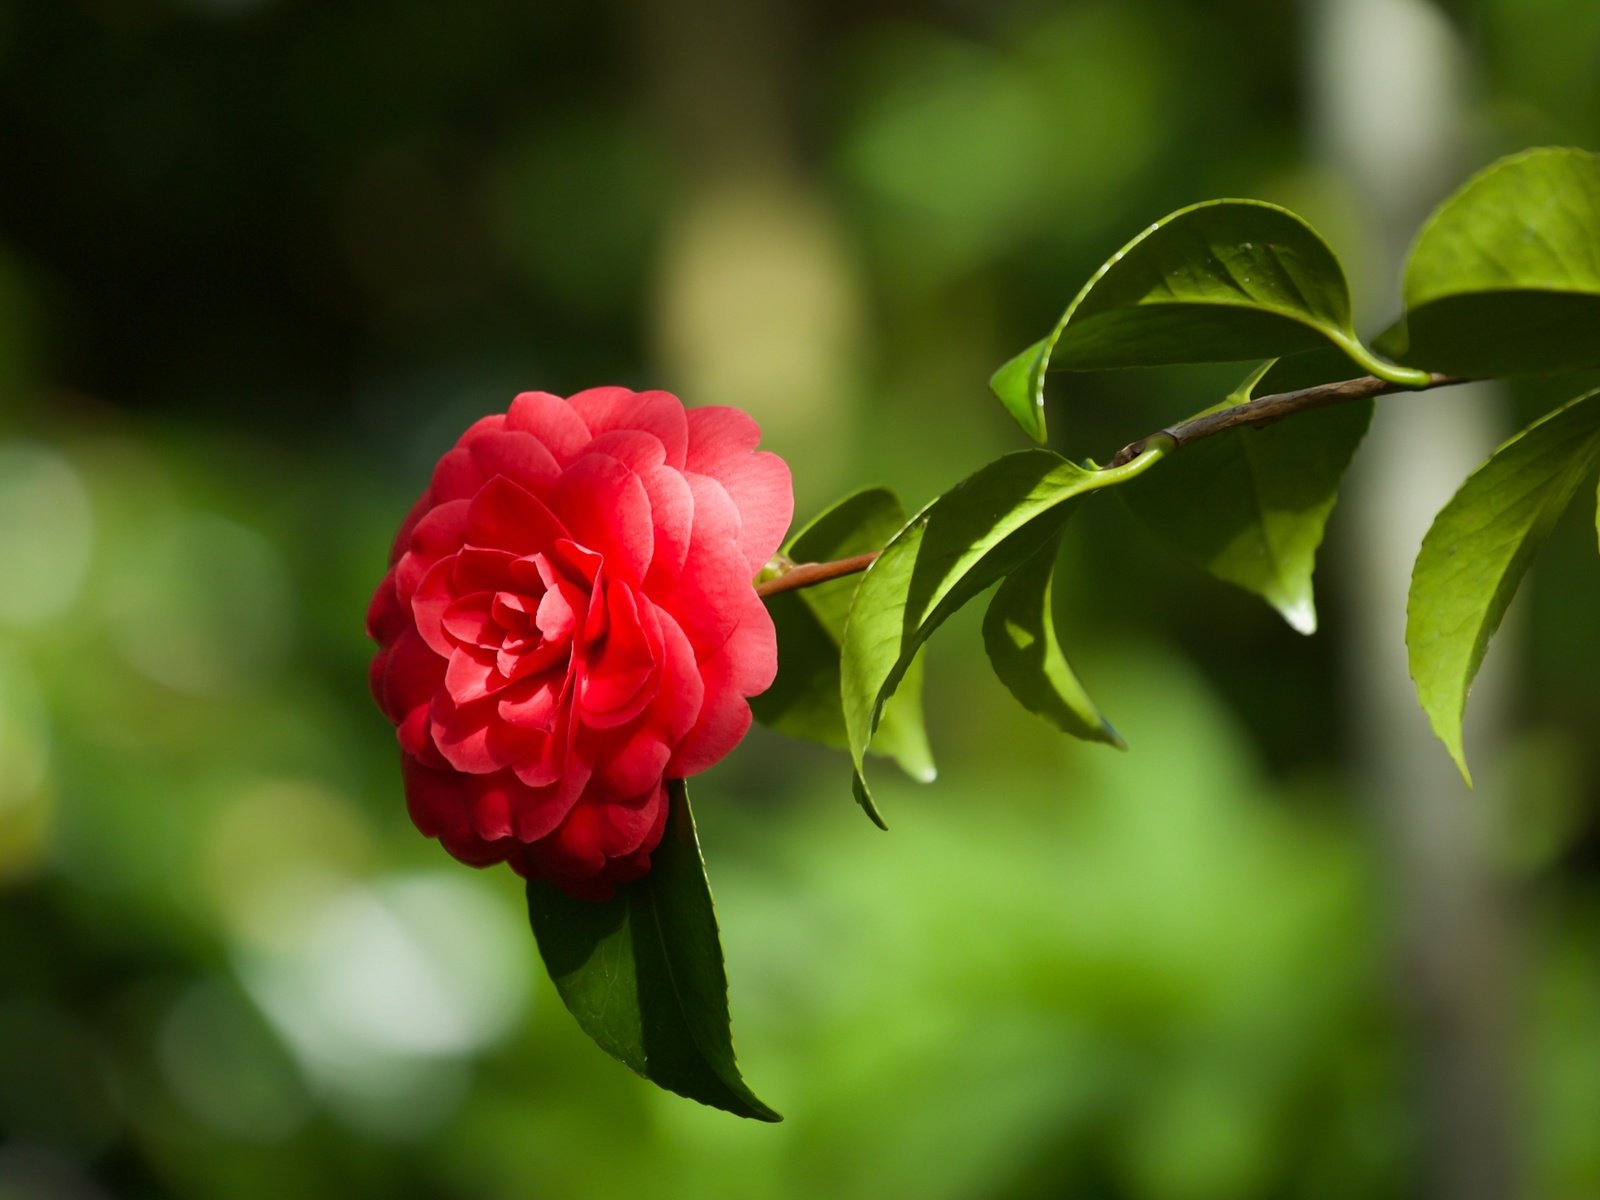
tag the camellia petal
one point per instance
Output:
(519, 457)
(637, 763)
(569, 620)
(553, 421)
(722, 723)
(440, 533)
(616, 676)
(656, 413)
(605, 506)
(506, 516)
(713, 583)
(721, 441)
(672, 515)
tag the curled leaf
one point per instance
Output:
(1479, 548)
(1024, 645)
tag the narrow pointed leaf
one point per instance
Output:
(1019, 385)
(642, 972)
(1479, 548)
(1024, 645)
(1223, 281)
(1250, 506)
(1504, 278)
(804, 700)
(964, 541)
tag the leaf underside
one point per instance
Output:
(1251, 506)
(804, 700)
(1504, 278)
(642, 972)
(1224, 281)
(1024, 646)
(1478, 549)
(978, 531)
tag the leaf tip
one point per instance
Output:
(1450, 734)
(1301, 614)
(761, 1112)
(1019, 385)
(864, 798)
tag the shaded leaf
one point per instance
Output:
(804, 700)
(1310, 369)
(1024, 645)
(1223, 281)
(1019, 385)
(982, 528)
(642, 972)
(1479, 548)
(1504, 278)
(1250, 506)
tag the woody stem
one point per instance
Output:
(1256, 413)
(809, 574)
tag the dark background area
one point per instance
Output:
(262, 260)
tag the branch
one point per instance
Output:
(1254, 413)
(1268, 409)
(810, 574)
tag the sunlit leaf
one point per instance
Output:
(1223, 281)
(1505, 277)
(642, 972)
(804, 700)
(1250, 506)
(1479, 548)
(984, 527)
(1020, 634)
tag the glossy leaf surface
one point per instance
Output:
(1505, 277)
(804, 700)
(1479, 548)
(1224, 281)
(643, 974)
(1024, 645)
(1250, 506)
(984, 527)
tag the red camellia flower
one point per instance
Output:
(569, 620)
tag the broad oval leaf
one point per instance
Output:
(1250, 506)
(985, 526)
(1479, 548)
(804, 700)
(1024, 645)
(1223, 281)
(643, 974)
(1504, 278)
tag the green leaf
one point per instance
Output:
(1478, 549)
(642, 972)
(804, 700)
(1250, 506)
(1505, 277)
(984, 527)
(1297, 371)
(1019, 384)
(1223, 281)
(1024, 645)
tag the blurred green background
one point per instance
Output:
(261, 260)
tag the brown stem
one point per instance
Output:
(1263, 411)
(808, 574)
(1268, 409)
